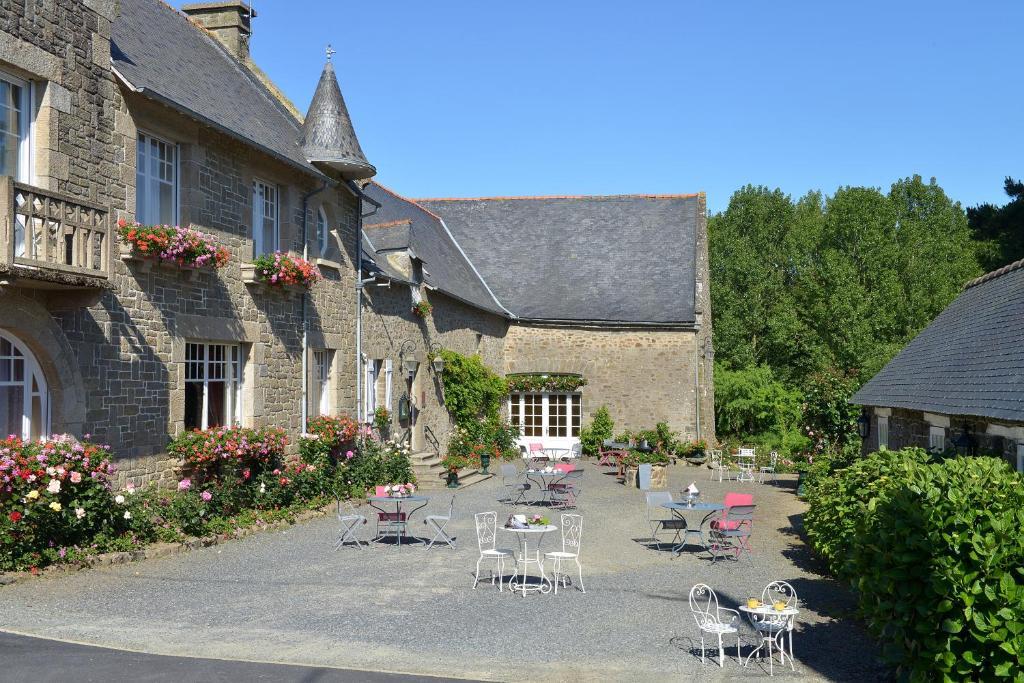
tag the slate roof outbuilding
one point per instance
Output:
(169, 59)
(968, 361)
(624, 259)
(445, 267)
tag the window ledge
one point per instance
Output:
(327, 263)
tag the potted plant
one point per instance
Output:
(422, 308)
(453, 463)
(174, 246)
(694, 452)
(382, 420)
(802, 465)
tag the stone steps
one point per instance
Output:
(430, 474)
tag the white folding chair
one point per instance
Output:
(439, 522)
(350, 521)
(773, 460)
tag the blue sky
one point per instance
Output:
(572, 97)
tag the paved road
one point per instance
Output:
(42, 660)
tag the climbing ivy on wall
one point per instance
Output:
(471, 389)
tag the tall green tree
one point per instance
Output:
(999, 230)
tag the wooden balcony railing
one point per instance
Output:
(52, 231)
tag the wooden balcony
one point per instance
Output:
(52, 241)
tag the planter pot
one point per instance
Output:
(659, 477)
(485, 462)
(631, 478)
(801, 484)
(128, 254)
(696, 458)
(452, 479)
(249, 277)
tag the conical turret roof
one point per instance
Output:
(328, 137)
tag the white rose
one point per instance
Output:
(54, 486)
(79, 512)
(119, 499)
(127, 515)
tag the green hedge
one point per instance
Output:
(935, 551)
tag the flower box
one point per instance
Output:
(280, 271)
(173, 247)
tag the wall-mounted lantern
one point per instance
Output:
(438, 362)
(864, 424)
(409, 362)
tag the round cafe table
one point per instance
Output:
(395, 519)
(542, 479)
(679, 510)
(527, 556)
(774, 625)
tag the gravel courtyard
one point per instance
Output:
(287, 596)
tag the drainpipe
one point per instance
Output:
(305, 298)
(358, 191)
(696, 382)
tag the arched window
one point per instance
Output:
(23, 409)
(321, 230)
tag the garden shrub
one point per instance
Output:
(222, 453)
(941, 581)
(935, 551)
(601, 427)
(840, 505)
(472, 391)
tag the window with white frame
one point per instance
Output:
(322, 231)
(23, 395)
(156, 181)
(883, 433)
(265, 228)
(541, 414)
(936, 439)
(372, 370)
(322, 381)
(15, 128)
(213, 385)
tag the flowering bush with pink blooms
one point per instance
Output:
(281, 269)
(54, 494)
(227, 453)
(173, 244)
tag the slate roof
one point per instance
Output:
(968, 361)
(445, 266)
(628, 258)
(166, 57)
(327, 133)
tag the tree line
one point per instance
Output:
(811, 297)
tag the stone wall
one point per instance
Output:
(911, 428)
(644, 376)
(388, 322)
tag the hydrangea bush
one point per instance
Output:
(174, 244)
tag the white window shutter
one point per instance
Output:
(387, 383)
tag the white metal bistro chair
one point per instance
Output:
(350, 520)
(717, 466)
(486, 539)
(515, 487)
(438, 522)
(745, 461)
(575, 451)
(713, 619)
(774, 627)
(572, 534)
(773, 460)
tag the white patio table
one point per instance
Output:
(778, 623)
(527, 556)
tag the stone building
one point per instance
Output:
(960, 383)
(132, 110)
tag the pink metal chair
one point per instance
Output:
(731, 499)
(566, 467)
(389, 521)
(380, 491)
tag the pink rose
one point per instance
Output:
(184, 484)
(206, 496)
(76, 477)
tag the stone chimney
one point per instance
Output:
(230, 22)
